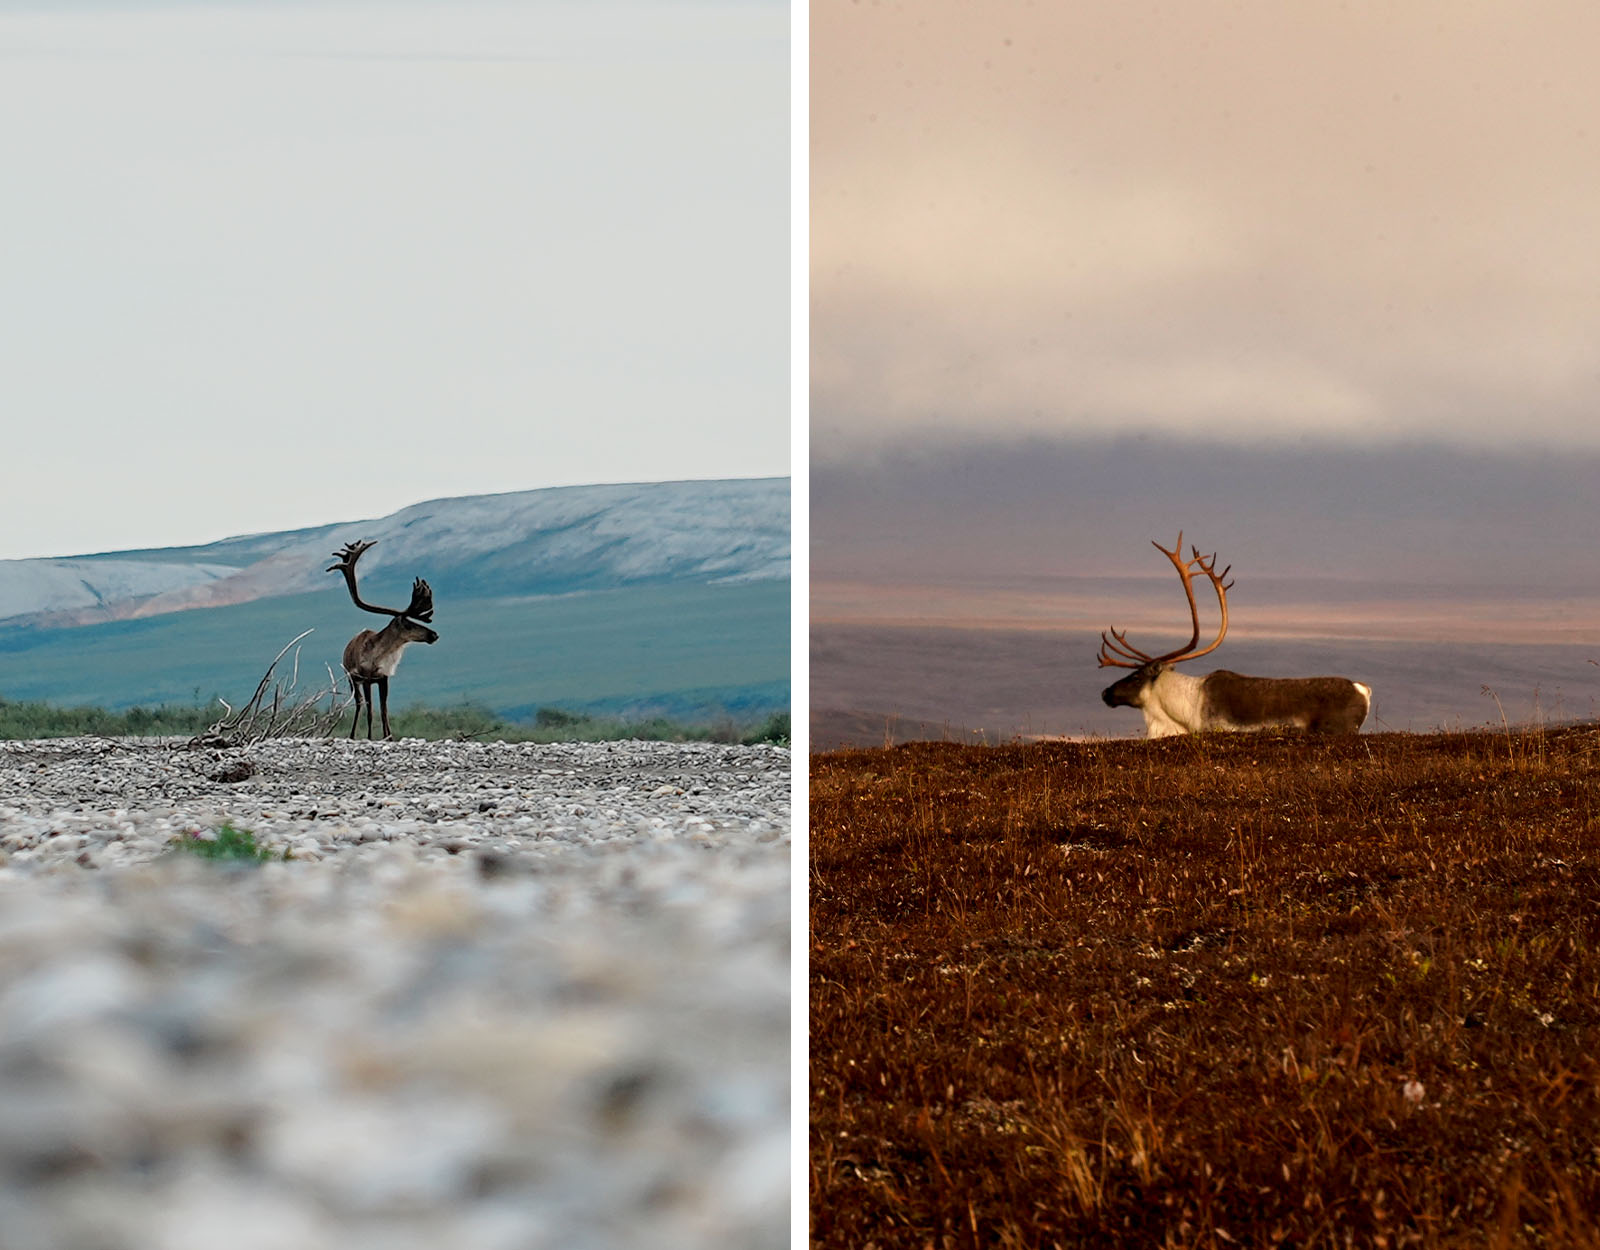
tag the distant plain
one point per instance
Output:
(999, 661)
(675, 650)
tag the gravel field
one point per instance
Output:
(499, 996)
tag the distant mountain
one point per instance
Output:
(666, 598)
(550, 541)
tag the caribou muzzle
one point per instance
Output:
(1130, 690)
(1125, 693)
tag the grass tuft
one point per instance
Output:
(229, 844)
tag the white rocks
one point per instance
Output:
(515, 996)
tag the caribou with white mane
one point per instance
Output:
(371, 657)
(1176, 703)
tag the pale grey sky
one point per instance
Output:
(274, 265)
(1245, 219)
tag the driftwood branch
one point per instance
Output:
(277, 709)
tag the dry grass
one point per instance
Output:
(1232, 991)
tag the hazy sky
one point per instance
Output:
(1240, 218)
(1400, 521)
(268, 265)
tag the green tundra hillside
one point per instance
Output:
(665, 599)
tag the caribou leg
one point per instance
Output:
(383, 697)
(355, 690)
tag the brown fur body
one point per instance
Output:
(1177, 703)
(1333, 705)
(370, 659)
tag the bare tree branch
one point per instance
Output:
(276, 710)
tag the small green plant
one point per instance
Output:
(231, 844)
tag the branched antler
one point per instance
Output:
(1117, 652)
(421, 606)
(345, 562)
(419, 609)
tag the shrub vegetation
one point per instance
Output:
(462, 720)
(45, 720)
(1239, 990)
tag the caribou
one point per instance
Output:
(1177, 703)
(371, 657)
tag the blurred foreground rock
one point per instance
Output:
(497, 996)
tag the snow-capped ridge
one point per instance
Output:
(553, 540)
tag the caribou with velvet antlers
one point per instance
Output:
(371, 657)
(1176, 703)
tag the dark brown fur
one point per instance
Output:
(1331, 705)
(370, 659)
